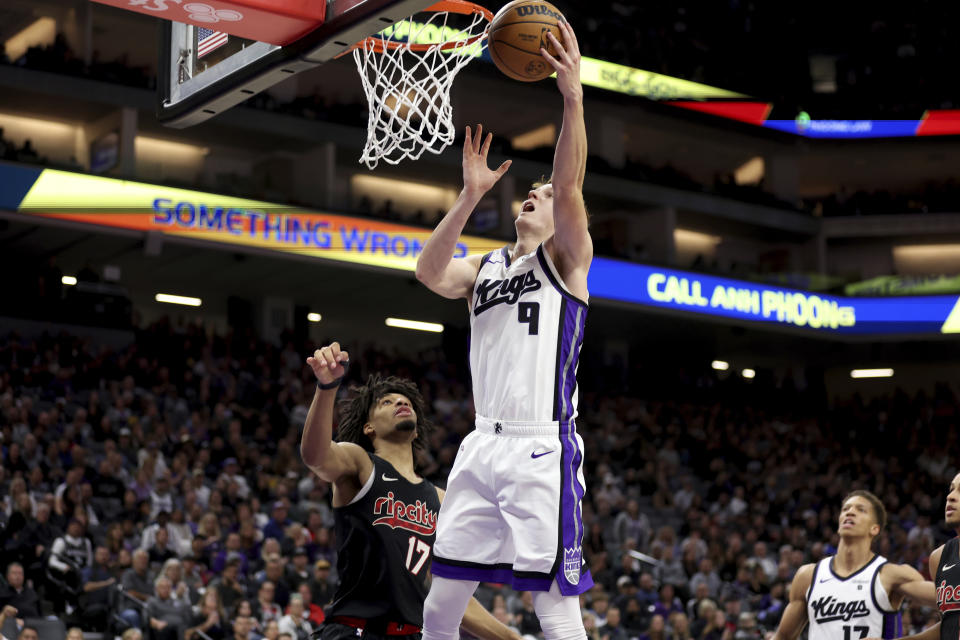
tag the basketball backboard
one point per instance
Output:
(203, 72)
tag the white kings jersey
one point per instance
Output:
(853, 607)
(526, 332)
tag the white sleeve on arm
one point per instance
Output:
(58, 547)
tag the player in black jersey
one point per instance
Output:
(945, 568)
(385, 514)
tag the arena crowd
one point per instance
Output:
(159, 487)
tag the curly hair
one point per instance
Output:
(355, 410)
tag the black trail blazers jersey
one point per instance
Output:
(384, 546)
(948, 590)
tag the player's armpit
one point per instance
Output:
(795, 615)
(481, 623)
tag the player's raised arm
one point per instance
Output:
(795, 615)
(331, 461)
(436, 267)
(571, 236)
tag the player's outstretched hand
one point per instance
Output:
(477, 176)
(567, 61)
(328, 363)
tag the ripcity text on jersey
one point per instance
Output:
(385, 540)
(947, 583)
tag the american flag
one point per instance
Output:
(208, 40)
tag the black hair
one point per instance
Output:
(355, 410)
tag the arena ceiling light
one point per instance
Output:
(871, 373)
(169, 298)
(416, 325)
(720, 365)
(68, 280)
(314, 317)
(749, 374)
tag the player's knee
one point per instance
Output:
(563, 627)
(434, 619)
(440, 618)
(559, 616)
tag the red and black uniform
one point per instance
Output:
(384, 546)
(948, 590)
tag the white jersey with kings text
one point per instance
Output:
(526, 332)
(850, 608)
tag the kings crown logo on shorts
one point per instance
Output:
(572, 561)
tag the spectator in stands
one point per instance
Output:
(264, 607)
(210, 618)
(137, 580)
(295, 622)
(706, 575)
(312, 612)
(320, 586)
(160, 497)
(242, 626)
(167, 617)
(278, 521)
(298, 571)
(657, 629)
(667, 603)
(271, 630)
(231, 474)
(527, 620)
(160, 552)
(647, 593)
(231, 590)
(179, 589)
(611, 629)
(273, 572)
(98, 582)
(18, 594)
(232, 549)
(632, 524)
(69, 556)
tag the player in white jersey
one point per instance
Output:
(512, 511)
(856, 593)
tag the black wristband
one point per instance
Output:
(333, 384)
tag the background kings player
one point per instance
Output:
(855, 593)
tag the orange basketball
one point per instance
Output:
(516, 34)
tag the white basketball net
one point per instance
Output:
(409, 91)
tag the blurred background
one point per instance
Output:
(719, 445)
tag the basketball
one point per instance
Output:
(516, 34)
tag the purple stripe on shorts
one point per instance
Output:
(571, 576)
(489, 574)
(483, 574)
